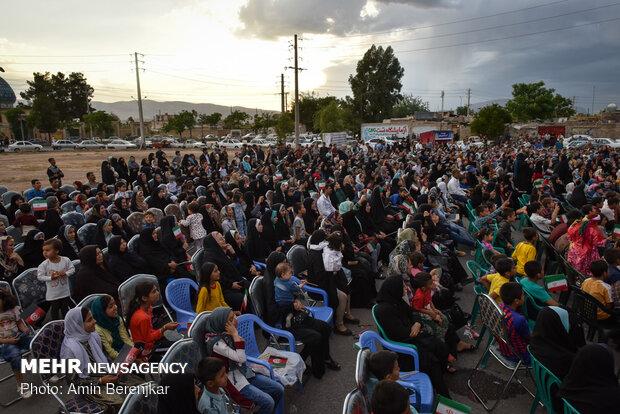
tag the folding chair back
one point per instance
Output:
(140, 402)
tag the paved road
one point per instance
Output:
(327, 395)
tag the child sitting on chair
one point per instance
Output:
(517, 328)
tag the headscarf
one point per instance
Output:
(70, 248)
(392, 292)
(591, 385)
(153, 252)
(75, 336)
(32, 252)
(551, 343)
(216, 325)
(180, 397)
(399, 266)
(52, 224)
(311, 216)
(345, 207)
(9, 266)
(107, 323)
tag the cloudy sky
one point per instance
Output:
(232, 52)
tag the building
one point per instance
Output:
(7, 100)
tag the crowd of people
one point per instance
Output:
(388, 217)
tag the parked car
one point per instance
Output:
(90, 144)
(24, 146)
(37, 141)
(260, 142)
(121, 144)
(248, 137)
(194, 144)
(600, 142)
(230, 143)
(578, 137)
(175, 143)
(64, 144)
(374, 141)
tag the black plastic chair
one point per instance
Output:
(587, 306)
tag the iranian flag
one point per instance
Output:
(176, 230)
(447, 406)
(278, 175)
(485, 181)
(538, 184)
(320, 185)
(39, 205)
(556, 283)
(408, 207)
(563, 218)
(414, 187)
(312, 193)
(370, 247)
(284, 182)
(399, 216)
(549, 171)
(244, 304)
(616, 232)
(331, 179)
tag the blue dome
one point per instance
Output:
(7, 96)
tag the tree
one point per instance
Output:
(12, 116)
(532, 101)
(264, 121)
(329, 118)
(408, 105)
(213, 119)
(285, 125)
(491, 121)
(236, 120)
(563, 106)
(44, 115)
(101, 121)
(376, 85)
(174, 124)
(309, 105)
(461, 110)
(187, 119)
(71, 94)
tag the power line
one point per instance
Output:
(406, 29)
(499, 38)
(501, 26)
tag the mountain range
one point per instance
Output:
(126, 109)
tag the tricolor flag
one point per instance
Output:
(538, 184)
(408, 207)
(370, 247)
(176, 230)
(277, 362)
(556, 283)
(399, 216)
(284, 182)
(616, 232)
(244, 304)
(320, 185)
(331, 179)
(447, 406)
(312, 193)
(549, 171)
(485, 181)
(414, 187)
(278, 175)
(39, 205)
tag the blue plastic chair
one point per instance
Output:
(178, 295)
(245, 328)
(417, 380)
(259, 265)
(323, 313)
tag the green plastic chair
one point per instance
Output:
(568, 408)
(545, 380)
(384, 336)
(529, 300)
(487, 254)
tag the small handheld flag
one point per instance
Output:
(485, 181)
(563, 219)
(320, 185)
(370, 247)
(244, 304)
(556, 283)
(408, 207)
(176, 230)
(279, 175)
(538, 184)
(447, 406)
(549, 171)
(312, 193)
(616, 232)
(39, 205)
(414, 187)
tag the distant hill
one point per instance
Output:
(502, 102)
(125, 109)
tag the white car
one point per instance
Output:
(248, 137)
(120, 144)
(175, 143)
(194, 144)
(90, 144)
(611, 143)
(230, 143)
(24, 146)
(64, 144)
(374, 141)
(260, 142)
(578, 137)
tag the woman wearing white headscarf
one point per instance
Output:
(83, 343)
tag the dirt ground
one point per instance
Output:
(17, 169)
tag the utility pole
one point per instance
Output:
(282, 91)
(573, 102)
(442, 95)
(593, 93)
(296, 97)
(88, 112)
(468, 100)
(140, 113)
